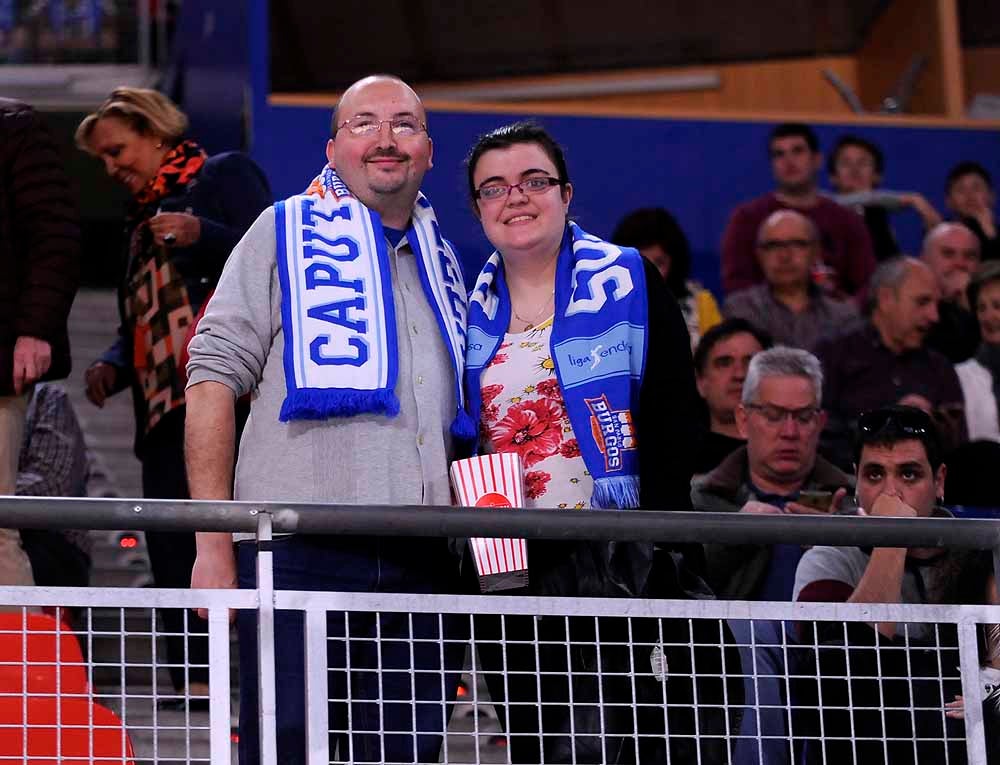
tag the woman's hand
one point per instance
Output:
(100, 379)
(175, 229)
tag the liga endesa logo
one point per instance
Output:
(612, 430)
(493, 499)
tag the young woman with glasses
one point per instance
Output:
(578, 360)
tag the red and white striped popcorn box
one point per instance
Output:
(494, 480)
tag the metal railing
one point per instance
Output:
(643, 678)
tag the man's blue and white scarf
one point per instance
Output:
(598, 345)
(337, 309)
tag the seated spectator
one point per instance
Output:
(846, 251)
(781, 419)
(900, 473)
(54, 462)
(856, 167)
(721, 361)
(980, 376)
(970, 196)
(951, 251)
(655, 233)
(787, 305)
(886, 360)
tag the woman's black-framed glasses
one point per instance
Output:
(538, 184)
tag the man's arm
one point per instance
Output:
(209, 447)
(882, 581)
(47, 236)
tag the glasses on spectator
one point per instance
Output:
(538, 184)
(401, 127)
(776, 245)
(775, 415)
(909, 422)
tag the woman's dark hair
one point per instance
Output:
(723, 331)
(987, 273)
(860, 143)
(506, 136)
(656, 226)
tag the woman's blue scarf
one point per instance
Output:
(598, 345)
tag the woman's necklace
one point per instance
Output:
(530, 324)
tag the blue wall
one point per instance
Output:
(697, 169)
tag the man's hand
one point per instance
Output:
(32, 359)
(175, 229)
(795, 508)
(891, 506)
(984, 215)
(760, 508)
(214, 566)
(100, 379)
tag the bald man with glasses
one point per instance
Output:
(788, 304)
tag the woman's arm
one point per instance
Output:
(668, 404)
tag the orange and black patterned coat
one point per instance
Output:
(165, 287)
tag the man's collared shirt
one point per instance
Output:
(823, 318)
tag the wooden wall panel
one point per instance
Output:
(982, 71)
(907, 28)
(795, 85)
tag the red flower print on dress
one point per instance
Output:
(491, 413)
(500, 358)
(570, 448)
(532, 429)
(534, 483)
(548, 388)
(490, 392)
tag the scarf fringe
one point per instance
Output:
(616, 492)
(317, 404)
(464, 428)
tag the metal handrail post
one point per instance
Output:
(220, 695)
(975, 736)
(267, 705)
(317, 690)
(145, 53)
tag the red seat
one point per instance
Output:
(43, 651)
(60, 731)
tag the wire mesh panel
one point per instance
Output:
(91, 681)
(617, 681)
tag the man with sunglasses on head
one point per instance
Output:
(343, 311)
(777, 472)
(900, 474)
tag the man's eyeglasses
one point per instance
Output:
(908, 421)
(775, 415)
(531, 186)
(775, 245)
(401, 127)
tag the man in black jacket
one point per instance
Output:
(39, 274)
